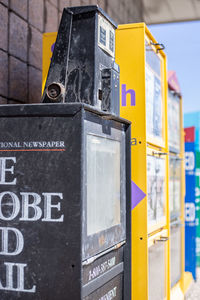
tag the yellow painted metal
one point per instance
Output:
(188, 279)
(130, 55)
(182, 281)
(168, 269)
(48, 41)
(185, 277)
(130, 62)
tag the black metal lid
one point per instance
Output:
(53, 109)
(76, 10)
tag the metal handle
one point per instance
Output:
(176, 224)
(162, 47)
(162, 239)
(159, 153)
(176, 158)
(92, 259)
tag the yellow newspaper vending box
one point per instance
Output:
(143, 84)
(179, 279)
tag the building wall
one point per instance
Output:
(22, 23)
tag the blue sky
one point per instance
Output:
(182, 46)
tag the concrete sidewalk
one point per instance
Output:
(194, 290)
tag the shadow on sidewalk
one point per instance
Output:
(194, 291)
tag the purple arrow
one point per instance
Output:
(136, 195)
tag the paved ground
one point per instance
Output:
(194, 291)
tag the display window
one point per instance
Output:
(157, 270)
(104, 190)
(174, 132)
(156, 169)
(175, 187)
(176, 252)
(154, 86)
(103, 187)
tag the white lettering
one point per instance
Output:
(31, 211)
(189, 212)
(189, 161)
(26, 206)
(4, 169)
(15, 205)
(5, 238)
(20, 278)
(110, 295)
(48, 206)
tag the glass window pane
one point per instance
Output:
(103, 183)
(157, 288)
(160, 174)
(174, 121)
(171, 184)
(175, 186)
(151, 188)
(153, 93)
(155, 188)
(175, 254)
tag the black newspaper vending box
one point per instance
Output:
(64, 203)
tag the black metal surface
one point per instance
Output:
(78, 61)
(103, 279)
(46, 141)
(51, 249)
(162, 47)
(59, 62)
(52, 109)
(110, 90)
(92, 8)
(127, 246)
(102, 265)
(111, 290)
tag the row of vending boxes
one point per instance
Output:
(156, 188)
(155, 120)
(156, 273)
(143, 75)
(157, 256)
(158, 163)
